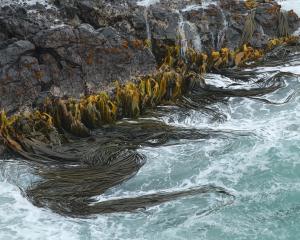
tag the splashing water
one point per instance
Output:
(147, 3)
(188, 32)
(181, 30)
(149, 37)
(222, 34)
(195, 36)
(256, 157)
(192, 8)
(290, 4)
(196, 39)
(48, 4)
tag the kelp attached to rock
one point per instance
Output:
(249, 28)
(80, 148)
(175, 78)
(283, 25)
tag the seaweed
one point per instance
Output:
(81, 147)
(249, 28)
(283, 25)
(251, 4)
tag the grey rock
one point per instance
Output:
(62, 61)
(12, 52)
(2, 149)
(75, 45)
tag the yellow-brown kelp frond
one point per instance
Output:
(128, 98)
(7, 131)
(222, 58)
(174, 78)
(291, 40)
(249, 28)
(66, 116)
(217, 60)
(35, 127)
(283, 25)
(59, 116)
(251, 4)
(78, 116)
(97, 109)
(247, 53)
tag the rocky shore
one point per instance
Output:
(71, 47)
(68, 69)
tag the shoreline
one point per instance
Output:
(40, 135)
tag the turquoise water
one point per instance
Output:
(256, 158)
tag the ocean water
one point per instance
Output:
(256, 158)
(290, 4)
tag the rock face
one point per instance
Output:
(39, 57)
(2, 147)
(72, 47)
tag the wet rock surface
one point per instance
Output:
(72, 47)
(2, 147)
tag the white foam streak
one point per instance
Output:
(46, 3)
(196, 39)
(147, 3)
(287, 69)
(290, 5)
(183, 39)
(189, 34)
(192, 8)
(149, 35)
(255, 156)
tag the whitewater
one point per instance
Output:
(256, 159)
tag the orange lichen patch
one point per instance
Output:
(38, 75)
(237, 17)
(139, 44)
(90, 57)
(125, 44)
(114, 50)
(273, 9)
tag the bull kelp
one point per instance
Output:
(81, 147)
